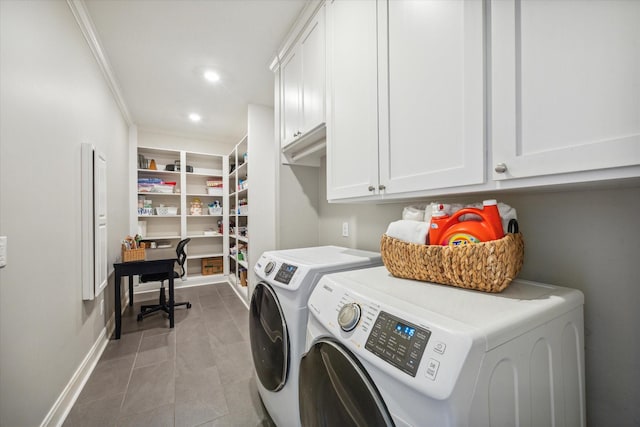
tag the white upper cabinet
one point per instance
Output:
(312, 46)
(405, 97)
(352, 99)
(303, 83)
(291, 74)
(431, 94)
(565, 86)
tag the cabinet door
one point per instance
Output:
(352, 104)
(291, 81)
(431, 94)
(312, 47)
(565, 86)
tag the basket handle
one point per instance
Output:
(513, 226)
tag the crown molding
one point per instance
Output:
(85, 23)
(300, 23)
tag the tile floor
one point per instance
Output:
(198, 374)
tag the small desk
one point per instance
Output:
(164, 265)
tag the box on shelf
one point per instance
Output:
(243, 277)
(212, 266)
(214, 191)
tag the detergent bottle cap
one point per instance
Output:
(438, 210)
(489, 202)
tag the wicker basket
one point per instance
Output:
(488, 266)
(129, 255)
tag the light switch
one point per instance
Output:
(3, 251)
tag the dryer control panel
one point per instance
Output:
(285, 273)
(398, 342)
(417, 347)
(279, 273)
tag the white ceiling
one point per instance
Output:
(158, 50)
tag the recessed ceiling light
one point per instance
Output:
(195, 117)
(211, 76)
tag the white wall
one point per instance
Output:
(587, 240)
(162, 139)
(52, 98)
(299, 207)
(261, 176)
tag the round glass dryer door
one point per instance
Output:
(269, 338)
(335, 390)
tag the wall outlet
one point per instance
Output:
(101, 306)
(345, 229)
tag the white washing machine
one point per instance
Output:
(384, 351)
(278, 318)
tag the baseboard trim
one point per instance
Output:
(61, 408)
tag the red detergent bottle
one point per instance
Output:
(483, 225)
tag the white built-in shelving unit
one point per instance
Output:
(238, 209)
(204, 227)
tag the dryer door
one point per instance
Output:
(269, 338)
(335, 390)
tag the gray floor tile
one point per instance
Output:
(215, 314)
(150, 387)
(162, 416)
(189, 329)
(108, 378)
(235, 367)
(210, 289)
(156, 348)
(211, 300)
(233, 303)
(194, 356)
(188, 294)
(101, 412)
(199, 398)
(226, 291)
(127, 345)
(197, 374)
(247, 390)
(224, 331)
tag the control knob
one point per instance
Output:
(349, 316)
(269, 267)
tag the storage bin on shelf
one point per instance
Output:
(215, 210)
(166, 210)
(486, 266)
(129, 255)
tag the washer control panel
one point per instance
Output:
(398, 342)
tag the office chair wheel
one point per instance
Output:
(188, 305)
(140, 317)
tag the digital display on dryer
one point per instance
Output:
(285, 273)
(405, 331)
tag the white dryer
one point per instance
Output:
(383, 351)
(278, 318)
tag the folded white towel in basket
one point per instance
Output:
(409, 231)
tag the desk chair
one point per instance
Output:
(161, 277)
